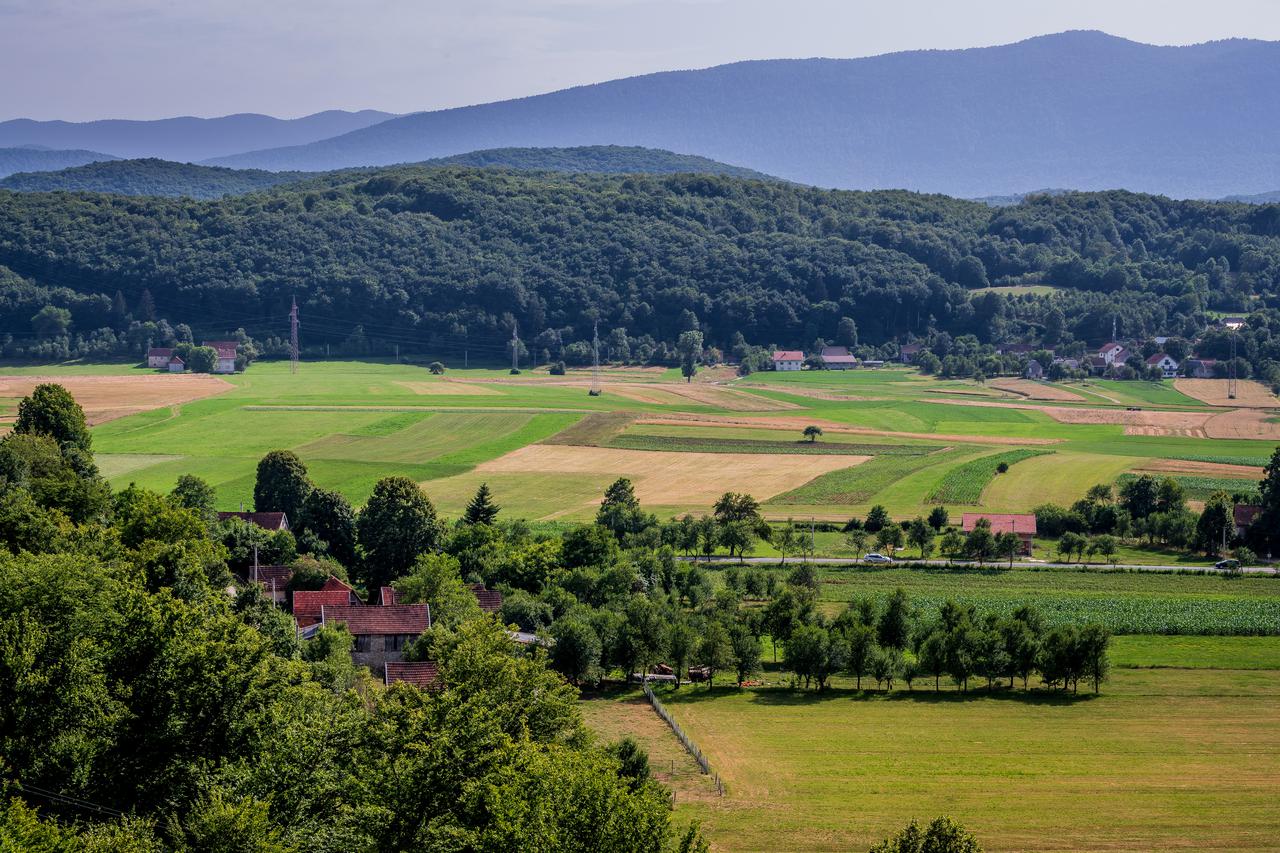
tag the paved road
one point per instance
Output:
(1017, 564)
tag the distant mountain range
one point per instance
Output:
(165, 178)
(30, 158)
(1079, 109)
(186, 139)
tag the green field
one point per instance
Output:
(354, 422)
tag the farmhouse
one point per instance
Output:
(272, 521)
(1164, 361)
(309, 603)
(226, 350)
(380, 633)
(159, 356)
(788, 359)
(837, 358)
(1110, 352)
(177, 365)
(274, 580)
(1023, 524)
(1199, 368)
(908, 353)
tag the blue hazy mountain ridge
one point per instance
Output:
(1079, 109)
(165, 178)
(186, 138)
(29, 158)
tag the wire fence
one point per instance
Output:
(685, 740)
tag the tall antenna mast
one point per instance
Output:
(595, 359)
(515, 348)
(293, 337)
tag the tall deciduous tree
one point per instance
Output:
(52, 411)
(282, 484)
(396, 526)
(329, 517)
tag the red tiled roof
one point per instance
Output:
(159, 352)
(176, 360)
(788, 355)
(392, 619)
(388, 596)
(1246, 514)
(1020, 523)
(1157, 358)
(490, 599)
(331, 583)
(910, 348)
(424, 674)
(829, 352)
(1110, 347)
(308, 603)
(226, 349)
(268, 575)
(265, 520)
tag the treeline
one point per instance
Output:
(147, 710)
(443, 260)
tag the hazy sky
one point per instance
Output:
(85, 59)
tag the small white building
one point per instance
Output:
(176, 365)
(1164, 361)
(226, 362)
(788, 359)
(159, 357)
(1110, 352)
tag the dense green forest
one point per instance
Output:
(151, 176)
(435, 259)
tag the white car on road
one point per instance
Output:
(876, 558)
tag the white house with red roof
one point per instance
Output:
(159, 356)
(1167, 364)
(1110, 352)
(788, 359)
(226, 350)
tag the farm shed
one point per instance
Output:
(1022, 524)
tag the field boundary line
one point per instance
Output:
(485, 409)
(685, 740)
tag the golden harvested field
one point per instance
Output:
(1036, 390)
(669, 478)
(673, 394)
(450, 388)
(106, 398)
(1244, 423)
(1200, 469)
(1249, 394)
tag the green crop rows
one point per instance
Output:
(1203, 488)
(746, 445)
(964, 484)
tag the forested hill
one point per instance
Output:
(425, 257)
(1083, 110)
(166, 178)
(26, 159)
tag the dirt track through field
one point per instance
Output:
(662, 477)
(1249, 394)
(106, 398)
(1036, 390)
(798, 424)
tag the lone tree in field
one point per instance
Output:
(620, 510)
(938, 518)
(52, 411)
(812, 431)
(282, 484)
(396, 526)
(482, 509)
(436, 368)
(689, 346)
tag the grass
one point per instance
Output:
(1126, 602)
(1161, 760)
(861, 483)
(1146, 651)
(713, 444)
(964, 484)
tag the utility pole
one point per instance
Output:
(515, 348)
(1231, 365)
(595, 360)
(293, 337)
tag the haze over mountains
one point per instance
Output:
(186, 138)
(1080, 110)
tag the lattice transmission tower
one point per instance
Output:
(595, 360)
(293, 337)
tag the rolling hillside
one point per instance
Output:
(1079, 109)
(166, 178)
(30, 159)
(185, 138)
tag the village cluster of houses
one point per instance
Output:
(165, 358)
(381, 629)
(1106, 360)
